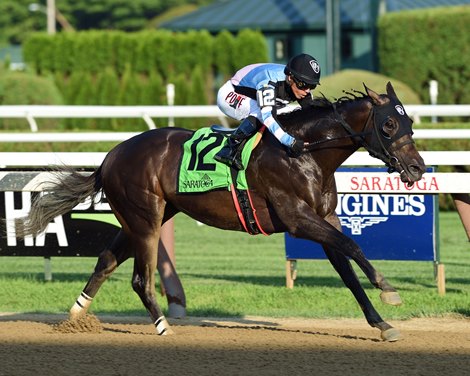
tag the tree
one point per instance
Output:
(250, 47)
(224, 53)
(17, 21)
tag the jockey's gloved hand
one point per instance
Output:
(296, 148)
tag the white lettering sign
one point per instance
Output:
(373, 204)
(360, 211)
(55, 227)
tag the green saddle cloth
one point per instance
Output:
(200, 172)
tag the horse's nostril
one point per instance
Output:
(416, 170)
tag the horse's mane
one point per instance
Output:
(320, 112)
(322, 104)
(349, 96)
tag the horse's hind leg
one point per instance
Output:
(143, 279)
(141, 215)
(108, 261)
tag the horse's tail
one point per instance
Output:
(67, 189)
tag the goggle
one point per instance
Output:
(303, 85)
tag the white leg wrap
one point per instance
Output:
(162, 326)
(81, 305)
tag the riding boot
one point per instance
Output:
(230, 154)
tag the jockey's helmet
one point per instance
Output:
(304, 68)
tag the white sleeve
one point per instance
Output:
(266, 101)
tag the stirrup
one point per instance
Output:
(225, 156)
(230, 161)
(237, 164)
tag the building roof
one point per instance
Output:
(398, 5)
(275, 15)
(265, 15)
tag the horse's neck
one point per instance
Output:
(325, 130)
(320, 122)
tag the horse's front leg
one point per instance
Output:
(349, 247)
(349, 277)
(347, 274)
(389, 294)
(339, 247)
(328, 233)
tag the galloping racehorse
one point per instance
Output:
(294, 195)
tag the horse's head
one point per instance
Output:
(379, 123)
(391, 138)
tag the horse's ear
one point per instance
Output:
(373, 95)
(391, 90)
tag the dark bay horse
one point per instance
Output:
(294, 195)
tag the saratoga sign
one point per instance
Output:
(381, 183)
(389, 224)
(375, 180)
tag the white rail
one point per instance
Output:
(43, 111)
(49, 112)
(121, 136)
(437, 110)
(66, 136)
(416, 111)
(435, 158)
(30, 113)
(32, 159)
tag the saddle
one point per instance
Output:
(241, 197)
(216, 128)
(200, 172)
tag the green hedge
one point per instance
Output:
(118, 68)
(432, 44)
(18, 88)
(144, 52)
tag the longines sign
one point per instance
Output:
(387, 226)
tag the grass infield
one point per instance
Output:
(229, 274)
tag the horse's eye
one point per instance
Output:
(388, 128)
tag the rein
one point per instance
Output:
(390, 161)
(351, 133)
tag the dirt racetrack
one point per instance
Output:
(42, 345)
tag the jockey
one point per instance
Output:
(256, 91)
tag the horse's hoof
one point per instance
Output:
(168, 332)
(390, 335)
(391, 298)
(75, 314)
(176, 311)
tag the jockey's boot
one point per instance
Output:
(230, 154)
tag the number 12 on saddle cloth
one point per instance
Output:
(200, 172)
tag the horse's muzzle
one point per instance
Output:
(411, 172)
(407, 161)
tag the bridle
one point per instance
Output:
(379, 116)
